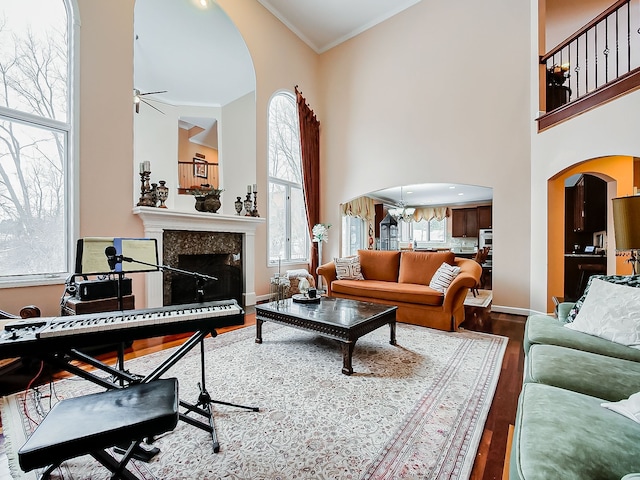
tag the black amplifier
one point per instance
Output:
(98, 289)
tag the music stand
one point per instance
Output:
(203, 405)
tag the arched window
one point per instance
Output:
(288, 234)
(35, 140)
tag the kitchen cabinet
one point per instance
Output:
(464, 222)
(484, 216)
(589, 204)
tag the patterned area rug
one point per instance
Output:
(415, 410)
(482, 299)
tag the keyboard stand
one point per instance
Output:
(203, 405)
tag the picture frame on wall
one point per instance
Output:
(200, 168)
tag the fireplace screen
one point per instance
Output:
(184, 289)
(218, 254)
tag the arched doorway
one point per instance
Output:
(618, 173)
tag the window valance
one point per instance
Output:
(361, 207)
(427, 213)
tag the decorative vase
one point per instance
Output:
(162, 192)
(238, 205)
(200, 202)
(319, 287)
(212, 202)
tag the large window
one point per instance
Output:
(288, 233)
(35, 132)
(433, 230)
(353, 235)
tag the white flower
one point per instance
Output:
(321, 232)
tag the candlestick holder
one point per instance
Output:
(146, 194)
(254, 211)
(247, 205)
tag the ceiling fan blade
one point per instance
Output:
(142, 100)
(153, 93)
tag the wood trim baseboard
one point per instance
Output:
(507, 455)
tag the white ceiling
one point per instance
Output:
(195, 53)
(434, 194)
(323, 24)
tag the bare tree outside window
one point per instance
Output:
(288, 234)
(34, 137)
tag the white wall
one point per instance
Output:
(281, 61)
(610, 129)
(237, 150)
(438, 93)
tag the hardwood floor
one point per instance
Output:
(490, 459)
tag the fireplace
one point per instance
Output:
(217, 254)
(242, 246)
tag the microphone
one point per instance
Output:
(112, 257)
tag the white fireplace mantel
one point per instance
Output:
(157, 220)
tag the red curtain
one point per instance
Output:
(310, 149)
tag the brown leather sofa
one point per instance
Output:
(402, 279)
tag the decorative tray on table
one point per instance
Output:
(302, 298)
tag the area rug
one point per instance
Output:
(482, 299)
(414, 410)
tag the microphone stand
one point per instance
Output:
(203, 405)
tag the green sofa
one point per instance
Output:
(561, 430)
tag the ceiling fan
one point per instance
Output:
(137, 99)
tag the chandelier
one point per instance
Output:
(402, 212)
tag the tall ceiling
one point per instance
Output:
(194, 51)
(323, 24)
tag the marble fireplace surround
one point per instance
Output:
(157, 220)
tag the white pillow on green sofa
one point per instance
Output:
(629, 407)
(610, 311)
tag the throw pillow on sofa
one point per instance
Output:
(443, 277)
(629, 407)
(348, 268)
(419, 267)
(610, 311)
(629, 280)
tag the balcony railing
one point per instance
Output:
(599, 62)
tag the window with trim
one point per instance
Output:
(35, 139)
(288, 235)
(353, 235)
(434, 230)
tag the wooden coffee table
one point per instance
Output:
(338, 318)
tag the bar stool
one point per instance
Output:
(586, 270)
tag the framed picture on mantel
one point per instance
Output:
(200, 168)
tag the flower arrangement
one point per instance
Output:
(557, 74)
(205, 189)
(321, 232)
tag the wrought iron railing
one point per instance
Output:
(602, 55)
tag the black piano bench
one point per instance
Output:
(91, 423)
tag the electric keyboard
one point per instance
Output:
(35, 336)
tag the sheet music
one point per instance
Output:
(93, 257)
(142, 249)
